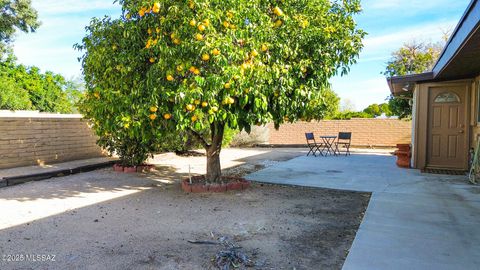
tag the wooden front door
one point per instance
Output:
(447, 131)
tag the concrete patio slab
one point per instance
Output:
(413, 221)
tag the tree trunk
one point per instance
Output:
(214, 169)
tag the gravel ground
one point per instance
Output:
(108, 220)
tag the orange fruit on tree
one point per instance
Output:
(192, 69)
(153, 116)
(197, 102)
(278, 23)
(180, 68)
(194, 118)
(176, 41)
(199, 37)
(216, 52)
(264, 47)
(170, 78)
(193, 23)
(152, 60)
(153, 109)
(204, 104)
(254, 53)
(141, 12)
(201, 27)
(206, 22)
(227, 85)
(156, 7)
(167, 116)
(205, 57)
(278, 11)
(215, 109)
(190, 107)
(226, 24)
(196, 71)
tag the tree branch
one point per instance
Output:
(200, 137)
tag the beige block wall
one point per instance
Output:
(365, 132)
(33, 138)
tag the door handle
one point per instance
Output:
(460, 131)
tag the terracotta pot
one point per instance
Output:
(403, 159)
(404, 153)
(404, 147)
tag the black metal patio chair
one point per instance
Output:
(312, 144)
(344, 141)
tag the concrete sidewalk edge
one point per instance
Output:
(20, 179)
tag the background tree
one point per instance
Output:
(411, 58)
(372, 111)
(16, 14)
(375, 110)
(26, 88)
(201, 66)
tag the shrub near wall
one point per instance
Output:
(365, 132)
(30, 138)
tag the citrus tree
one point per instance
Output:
(204, 65)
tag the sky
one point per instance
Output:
(389, 24)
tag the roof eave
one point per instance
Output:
(401, 85)
(466, 26)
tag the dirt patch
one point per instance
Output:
(285, 227)
(108, 220)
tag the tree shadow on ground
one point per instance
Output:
(106, 180)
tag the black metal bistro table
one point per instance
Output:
(328, 142)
